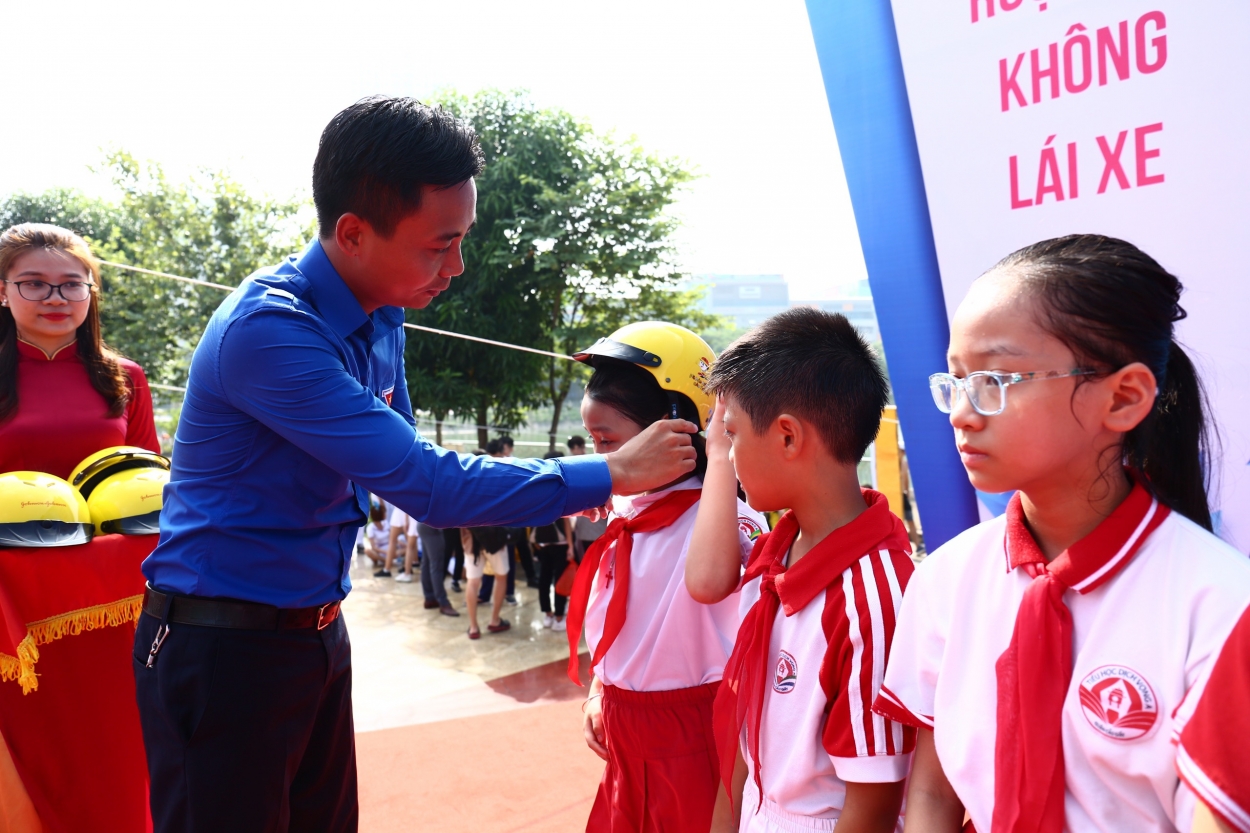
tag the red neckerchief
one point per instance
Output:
(658, 515)
(1035, 671)
(740, 698)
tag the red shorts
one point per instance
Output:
(661, 773)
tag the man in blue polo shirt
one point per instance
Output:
(296, 409)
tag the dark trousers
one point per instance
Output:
(525, 557)
(552, 559)
(248, 731)
(433, 564)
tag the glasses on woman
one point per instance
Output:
(987, 390)
(42, 290)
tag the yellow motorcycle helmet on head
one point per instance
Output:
(677, 358)
(122, 486)
(39, 510)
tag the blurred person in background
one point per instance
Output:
(377, 538)
(434, 569)
(500, 451)
(551, 544)
(403, 526)
(485, 546)
(577, 445)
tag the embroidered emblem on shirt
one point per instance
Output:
(786, 677)
(388, 394)
(1118, 702)
(749, 528)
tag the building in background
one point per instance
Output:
(745, 299)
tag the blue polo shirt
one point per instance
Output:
(296, 409)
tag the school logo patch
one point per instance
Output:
(1118, 702)
(388, 395)
(786, 677)
(749, 528)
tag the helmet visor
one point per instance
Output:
(45, 534)
(610, 349)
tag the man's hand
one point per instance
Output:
(659, 455)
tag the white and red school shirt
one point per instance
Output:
(817, 727)
(669, 640)
(1212, 730)
(1147, 624)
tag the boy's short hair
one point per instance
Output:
(375, 157)
(576, 441)
(494, 447)
(811, 364)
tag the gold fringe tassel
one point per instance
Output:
(22, 667)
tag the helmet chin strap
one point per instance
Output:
(674, 405)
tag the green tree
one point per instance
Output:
(497, 297)
(208, 228)
(603, 245)
(573, 228)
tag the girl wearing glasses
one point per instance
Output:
(63, 393)
(1043, 654)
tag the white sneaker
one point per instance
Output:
(559, 625)
(406, 578)
(548, 620)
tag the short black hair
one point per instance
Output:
(811, 364)
(494, 447)
(375, 157)
(576, 441)
(506, 440)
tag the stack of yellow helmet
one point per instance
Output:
(677, 358)
(122, 487)
(39, 510)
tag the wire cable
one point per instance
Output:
(435, 331)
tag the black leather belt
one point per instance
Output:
(225, 613)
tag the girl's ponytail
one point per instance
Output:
(1112, 304)
(1171, 446)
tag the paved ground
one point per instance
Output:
(467, 735)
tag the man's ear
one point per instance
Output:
(789, 433)
(349, 234)
(1131, 392)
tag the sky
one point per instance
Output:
(732, 88)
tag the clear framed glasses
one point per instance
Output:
(987, 390)
(42, 290)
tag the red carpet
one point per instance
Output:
(522, 770)
(517, 771)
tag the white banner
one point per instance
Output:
(1131, 118)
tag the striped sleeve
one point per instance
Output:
(907, 693)
(1210, 755)
(859, 619)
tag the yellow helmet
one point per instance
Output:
(122, 486)
(677, 358)
(39, 510)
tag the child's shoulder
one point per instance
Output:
(1191, 554)
(972, 547)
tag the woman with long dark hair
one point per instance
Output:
(64, 394)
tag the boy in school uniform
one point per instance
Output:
(799, 400)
